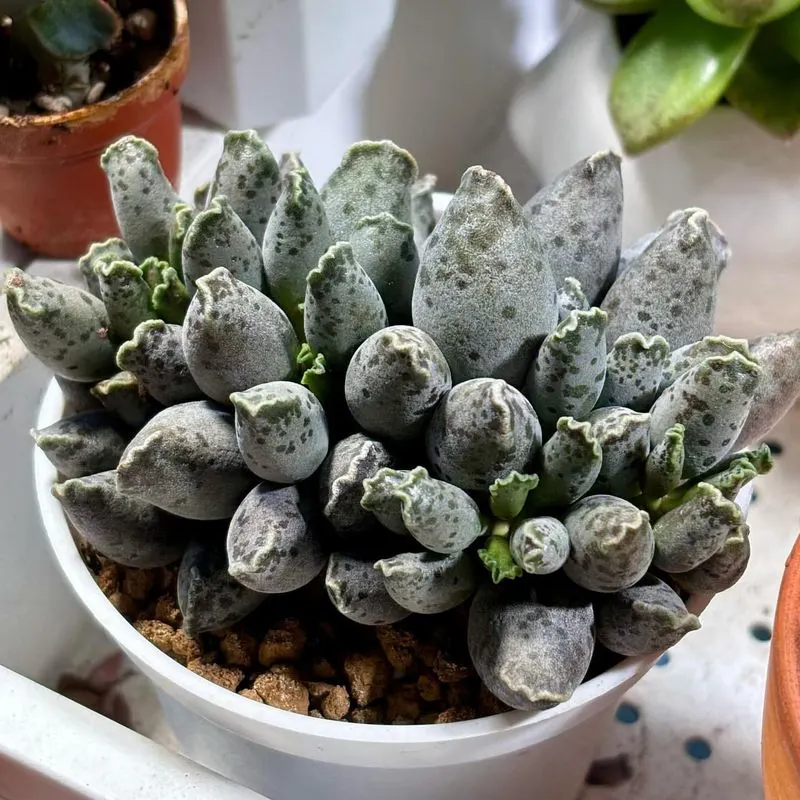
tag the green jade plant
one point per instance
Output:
(690, 55)
(57, 40)
(276, 385)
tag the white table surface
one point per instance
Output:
(691, 729)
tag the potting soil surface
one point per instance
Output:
(690, 729)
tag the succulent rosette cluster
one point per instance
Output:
(502, 407)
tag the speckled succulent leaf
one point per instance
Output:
(631, 252)
(201, 196)
(394, 382)
(570, 297)
(570, 463)
(185, 460)
(125, 397)
(664, 466)
(578, 222)
(483, 291)
(125, 295)
(778, 387)
(357, 590)
(539, 545)
(290, 161)
(624, 437)
(113, 249)
(385, 248)
(272, 544)
(633, 371)
(422, 214)
(711, 401)
(611, 543)
(78, 396)
(567, 376)
(428, 583)
(760, 459)
(234, 337)
(342, 306)
(670, 289)
(496, 556)
(155, 356)
(208, 597)
(730, 476)
(723, 569)
(509, 494)
(64, 327)
(182, 217)
(281, 430)
(440, 516)
(132, 533)
(314, 372)
(529, 655)
(297, 236)
(248, 175)
(689, 534)
(643, 619)
(170, 298)
(349, 463)
(480, 431)
(372, 177)
(684, 358)
(381, 495)
(142, 196)
(153, 269)
(82, 444)
(218, 238)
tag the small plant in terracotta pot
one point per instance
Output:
(74, 76)
(366, 481)
(683, 57)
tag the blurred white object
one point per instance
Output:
(438, 82)
(747, 180)
(257, 62)
(54, 749)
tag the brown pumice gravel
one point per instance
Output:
(293, 656)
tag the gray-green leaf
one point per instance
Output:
(633, 371)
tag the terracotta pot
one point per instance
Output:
(781, 735)
(53, 194)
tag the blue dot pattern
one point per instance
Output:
(663, 661)
(697, 748)
(761, 632)
(627, 714)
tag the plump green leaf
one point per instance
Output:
(786, 33)
(767, 88)
(742, 13)
(74, 29)
(496, 557)
(623, 6)
(673, 72)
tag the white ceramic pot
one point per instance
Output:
(748, 181)
(286, 756)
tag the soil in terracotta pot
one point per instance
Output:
(298, 654)
(147, 31)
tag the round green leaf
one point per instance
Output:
(742, 13)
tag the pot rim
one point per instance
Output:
(227, 703)
(149, 85)
(785, 652)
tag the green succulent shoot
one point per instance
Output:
(501, 413)
(58, 38)
(684, 58)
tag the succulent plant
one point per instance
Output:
(680, 59)
(63, 54)
(555, 458)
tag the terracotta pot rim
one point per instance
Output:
(786, 645)
(150, 85)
